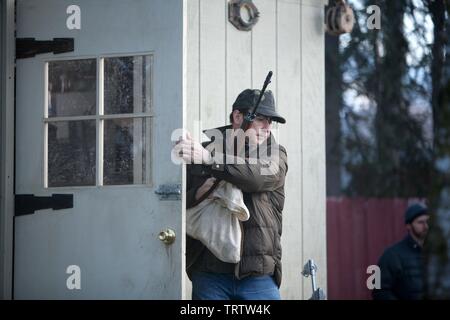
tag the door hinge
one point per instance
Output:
(29, 203)
(29, 47)
(169, 192)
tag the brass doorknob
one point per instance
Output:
(167, 236)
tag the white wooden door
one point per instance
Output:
(96, 123)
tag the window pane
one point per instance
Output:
(72, 87)
(71, 153)
(125, 158)
(127, 84)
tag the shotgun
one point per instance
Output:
(251, 114)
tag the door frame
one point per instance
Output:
(7, 122)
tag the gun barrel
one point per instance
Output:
(251, 113)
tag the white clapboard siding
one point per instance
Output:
(222, 61)
(313, 139)
(264, 49)
(238, 62)
(212, 62)
(289, 105)
(193, 67)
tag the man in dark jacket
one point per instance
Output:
(258, 273)
(401, 265)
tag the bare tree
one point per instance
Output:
(438, 244)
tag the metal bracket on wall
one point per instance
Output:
(310, 269)
(235, 8)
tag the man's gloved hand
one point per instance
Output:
(192, 151)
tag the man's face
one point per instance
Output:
(419, 227)
(261, 126)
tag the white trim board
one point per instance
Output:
(7, 52)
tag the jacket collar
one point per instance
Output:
(412, 243)
(210, 132)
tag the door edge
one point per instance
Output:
(7, 81)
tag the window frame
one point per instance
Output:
(100, 118)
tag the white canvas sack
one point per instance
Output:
(215, 222)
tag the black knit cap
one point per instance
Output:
(414, 211)
(247, 99)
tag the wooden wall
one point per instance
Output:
(222, 61)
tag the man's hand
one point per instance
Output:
(192, 151)
(204, 188)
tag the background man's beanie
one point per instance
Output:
(414, 211)
(247, 99)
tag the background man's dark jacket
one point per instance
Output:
(264, 197)
(401, 272)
